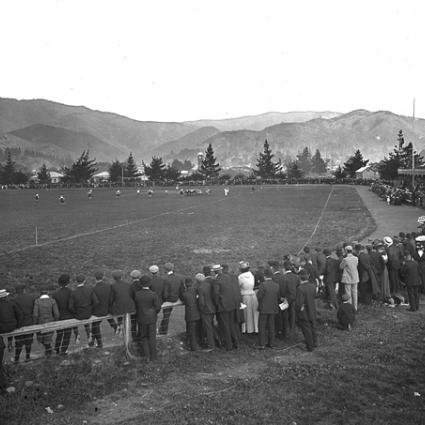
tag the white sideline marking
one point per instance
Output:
(318, 221)
(94, 232)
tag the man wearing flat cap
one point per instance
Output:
(157, 282)
(418, 253)
(121, 300)
(25, 302)
(207, 307)
(173, 283)
(350, 275)
(82, 302)
(103, 292)
(223, 296)
(279, 279)
(395, 261)
(10, 317)
(62, 297)
(331, 277)
(147, 308)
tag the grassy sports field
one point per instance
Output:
(135, 231)
(373, 375)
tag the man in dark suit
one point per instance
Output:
(279, 279)
(147, 308)
(305, 307)
(321, 262)
(223, 296)
(26, 303)
(268, 296)
(82, 302)
(121, 301)
(103, 293)
(288, 291)
(419, 257)
(395, 260)
(10, 317)
(368, 285)
(173, 283)
(192, 315)
(62, 296)
(207, 307)
(331, 277)
(237, 300)
(412, 280)
(157, 282)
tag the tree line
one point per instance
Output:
(84, 168)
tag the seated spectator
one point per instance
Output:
(346, 313)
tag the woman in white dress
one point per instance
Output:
(249, 298)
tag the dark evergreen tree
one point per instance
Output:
(19, 177)
(354, 163)
(171, 173)
(8, 169)
(294, 172)
(401, 157)
(304, 161)
(177, 165)
(116, 172)
(43, 175)
(266, 168)
(131, 171)
(182, 165)
(209, 167)
(82, 170)
(318, 165)
(155, 170)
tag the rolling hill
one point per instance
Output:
(122, 133)
(374, 133)
(61, 131)
(261, 121)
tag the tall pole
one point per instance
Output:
(122, 175)
(413, 152)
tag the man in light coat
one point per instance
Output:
(350, 275)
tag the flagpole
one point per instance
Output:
(413, 152)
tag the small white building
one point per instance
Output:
(102, 176)
(366, 173)
(55, 177)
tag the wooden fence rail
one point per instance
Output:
(71, 323)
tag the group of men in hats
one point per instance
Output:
(284, 293)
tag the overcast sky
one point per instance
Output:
(182, 60)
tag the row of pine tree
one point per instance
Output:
(305, 164)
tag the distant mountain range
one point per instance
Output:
(259, 122)
(41, 127)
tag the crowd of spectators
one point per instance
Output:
(221, 305)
